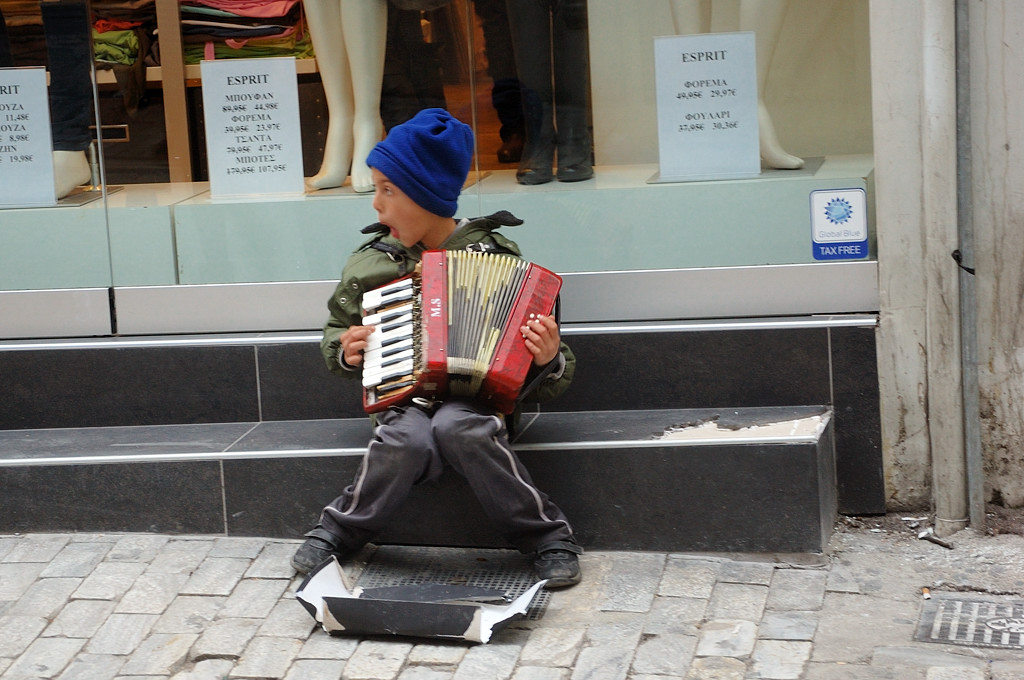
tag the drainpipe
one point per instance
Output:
(944, 354)
(964, 256)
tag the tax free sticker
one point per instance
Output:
(839, 224)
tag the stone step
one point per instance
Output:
(718, 480)
(248, 379)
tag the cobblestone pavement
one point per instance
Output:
(103, 606)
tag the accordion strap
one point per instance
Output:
(544, 373)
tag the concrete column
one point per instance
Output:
(997, 129)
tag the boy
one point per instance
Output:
(418, 173)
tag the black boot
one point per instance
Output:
(319, 547)
(558, 564)
(571, 67)
(535, 167)
(574, 155)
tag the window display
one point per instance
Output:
(560, 95)
(459, 54)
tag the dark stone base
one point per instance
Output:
(621, 487)
(99, 387)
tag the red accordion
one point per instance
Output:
(451, 328)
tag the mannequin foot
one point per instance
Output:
(575, 153)
(777, 158)
(575, 173)
(337, 157)
(325, 179)
(70, 170)
(533, 176)
(772, 153)
(366, 134)
(538, 157)
(536, 163)
(362, 178)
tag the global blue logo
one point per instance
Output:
(838, 211)
(839, 228)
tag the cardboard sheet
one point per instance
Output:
(431, 610)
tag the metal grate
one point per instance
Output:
(973, 621)
(504, 570)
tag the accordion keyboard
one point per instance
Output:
(451, 329)
(390, 352)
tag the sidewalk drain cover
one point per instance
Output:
(972, 621)
(505, 570)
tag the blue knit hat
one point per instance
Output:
(428, 158)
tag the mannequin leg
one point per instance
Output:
(6, 58)
(69, 57)
(397, 92)
(530, 21)
(412, 74)
(571, 72)
(365, 24)
(70, 169)
(349, 37)
(323, 18)
(501, 67)
(766, 17)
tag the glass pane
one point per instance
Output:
(560, 93)
(55, 35)
(130, 92)
(55, 265)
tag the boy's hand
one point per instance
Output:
(353, 342)
(542, 339)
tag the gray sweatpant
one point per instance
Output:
(412, 444)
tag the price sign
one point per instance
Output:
(26, 147)
(253, 139)
(707, 106)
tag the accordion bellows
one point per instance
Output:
(451, 328)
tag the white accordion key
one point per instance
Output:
(378, 361)
(380, 338)
(387, 315)
(404, 321)
(389, 294)
(378, 355)
(396, 346)
(385, 373)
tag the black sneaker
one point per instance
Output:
(557, 562)
(320, 546)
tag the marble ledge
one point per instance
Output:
(487, 183)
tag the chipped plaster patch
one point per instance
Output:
(810, 427)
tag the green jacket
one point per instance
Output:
(383, 259)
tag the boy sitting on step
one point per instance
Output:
(418, 173)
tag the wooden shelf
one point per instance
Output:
(155, 74)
